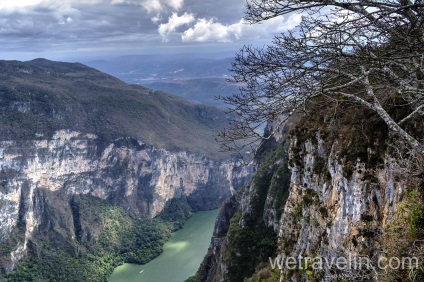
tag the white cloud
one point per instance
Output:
(32, 25)
(27, 5)
(211, 31)
(152, 6)
(52, 11)
(156, 19)
(276, 25)
(175, 4)
(173, 23)
(13, 5)
(34, 17)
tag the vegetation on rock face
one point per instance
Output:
(404, 236)
(365, 138)
(250, 239)
(40, 97)
(191, 279)
(249, 245)
(176, 212)
(105, 236)
(352, 140)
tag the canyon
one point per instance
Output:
(86, 163)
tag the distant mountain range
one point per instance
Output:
(197, 79)
(148, 68)
(198, 90)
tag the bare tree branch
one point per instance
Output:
(362, 51)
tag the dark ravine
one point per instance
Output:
(328, 193)
(246, 228)
(81, 188)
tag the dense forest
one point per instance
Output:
(93, 257)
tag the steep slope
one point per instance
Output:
(341, 191)
(40, 97)
(95, 172)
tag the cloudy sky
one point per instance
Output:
(60, 29)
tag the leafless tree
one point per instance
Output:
(369, 52)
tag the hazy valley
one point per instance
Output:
(195, 78)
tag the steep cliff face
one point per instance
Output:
(337, 210)
(127, 173)
(346, 197)
(246, 227)
(74, 187)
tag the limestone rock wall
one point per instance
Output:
(334, 208)
(128, 173)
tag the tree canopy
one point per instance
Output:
(367, 52)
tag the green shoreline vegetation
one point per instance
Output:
(116, 238)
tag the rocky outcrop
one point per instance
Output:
(139, 178)
(213, 267)
(335, 207)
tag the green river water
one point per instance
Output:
(181, 256)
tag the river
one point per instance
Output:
(181, 256)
